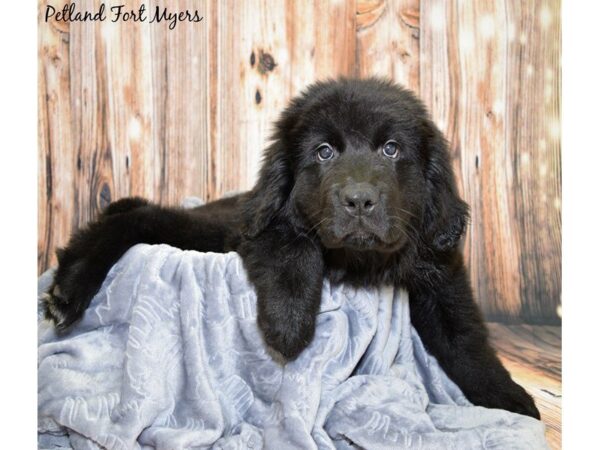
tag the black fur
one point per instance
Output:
(363, 217)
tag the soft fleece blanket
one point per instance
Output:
(169, 356)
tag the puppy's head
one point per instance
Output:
(359, 163)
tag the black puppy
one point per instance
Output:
(357, 187)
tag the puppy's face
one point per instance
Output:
(358, 167)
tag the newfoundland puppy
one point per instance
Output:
(357, 187)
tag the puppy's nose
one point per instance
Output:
(359, 198)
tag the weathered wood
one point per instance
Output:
(532, 354)
(533, 139)
(182, 92)
(264, 56)
(57, 159)
(249, 86)
(388, 40)
(475, 57)
(138, 109)
(124, 111)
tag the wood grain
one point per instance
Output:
(533, 136)
(138, 109)
(263, 57)
(57, 159)
(477, 76)
(532, 354)
(388, 40)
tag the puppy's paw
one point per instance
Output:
(75, 283)
(509, 396)
(287, 337)
(519, 401)
(58, 309)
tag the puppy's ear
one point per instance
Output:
(446, 215)
(268, 197)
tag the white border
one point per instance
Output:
(581, 224)
(18, 219)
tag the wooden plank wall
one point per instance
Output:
(138, 109)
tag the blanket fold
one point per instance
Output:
(169, 356)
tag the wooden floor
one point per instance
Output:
(532, 354)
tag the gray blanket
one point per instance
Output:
(168, 356)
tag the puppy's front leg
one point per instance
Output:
(448, 321)
(287, 273)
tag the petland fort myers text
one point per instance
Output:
(121, 13)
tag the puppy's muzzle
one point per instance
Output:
(360, 199)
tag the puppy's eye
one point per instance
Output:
(391, 149)
(325, 152)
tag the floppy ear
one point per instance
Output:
(446, 214)
(269, 195)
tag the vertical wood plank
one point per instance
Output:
(57, 161)
(94, 182)
(248, 87)
(321, 42)
(264, 54)
(124, 52)
(486, 161)
(468, 79)
(184, 96)
(335, 38)
(388, 40)
(533, 135)
(158, 121)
